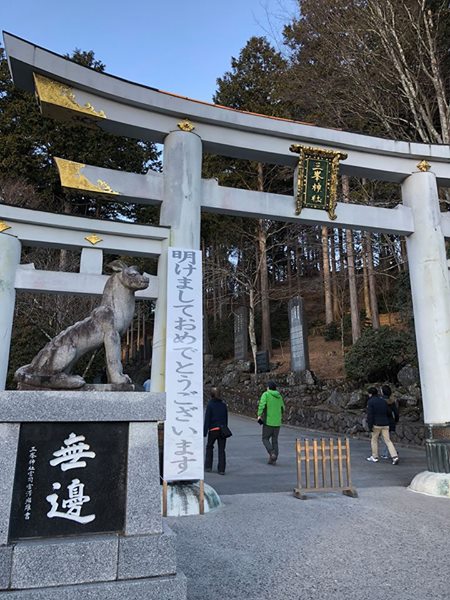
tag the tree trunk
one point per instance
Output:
(251, 327)
(367, 306)
(289, 270)
(404, 254)
(298, 262)
(266, 334)
(334, 285)
(354, 310)
(214, 284)
(144, 334)
(372, 285)
(131, 340)
(138, 332)
(219, 285)
(326, 276)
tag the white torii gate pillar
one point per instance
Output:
(180, 210)
(430, 290)
(10, 248)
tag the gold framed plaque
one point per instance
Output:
(317, 178)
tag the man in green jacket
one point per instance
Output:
(272, 406)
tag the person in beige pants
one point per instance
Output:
(378, 413)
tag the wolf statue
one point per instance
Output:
(51, 368)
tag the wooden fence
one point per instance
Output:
(323, 466)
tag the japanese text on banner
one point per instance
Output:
(183, 432)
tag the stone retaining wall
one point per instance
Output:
(327, 406)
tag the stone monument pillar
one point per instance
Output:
(9, 260)
(241, 333)
(298, 335)
(180, 210)
(430, 288)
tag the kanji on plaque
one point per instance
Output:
(70, 479)
(71, 454)
(317, 174)
(72, 505)
(68, 457)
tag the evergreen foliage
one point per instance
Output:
(379, 355)
(221, 336)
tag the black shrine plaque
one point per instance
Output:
(70, 479)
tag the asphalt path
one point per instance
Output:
(247, 471)
(263, 543)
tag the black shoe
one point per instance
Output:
(208, 470)
(221, 472)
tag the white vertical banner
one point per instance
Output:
(183, 429)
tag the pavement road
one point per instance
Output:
(247, 471)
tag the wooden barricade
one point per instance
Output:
(326, 467)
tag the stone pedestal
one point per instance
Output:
(136, 562)
(436, 480)
(431, 484)
(183, 499)
(87, 387)
(437, 447)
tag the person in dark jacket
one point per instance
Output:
(216, 416)
(393, 414)
(378, 413)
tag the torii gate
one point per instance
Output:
(186, 127)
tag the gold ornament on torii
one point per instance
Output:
(4, 226)
(50, 92)
(71, 177)
(93, 239)
(423, 166)
(185, 125)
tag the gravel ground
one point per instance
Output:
(265, 543)
(388, 543)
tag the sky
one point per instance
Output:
(175, 46)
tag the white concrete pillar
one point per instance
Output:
(91, 261)
(182, 174)
(9, 260)
(180, 210)
(158, 368)
(430, 295)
